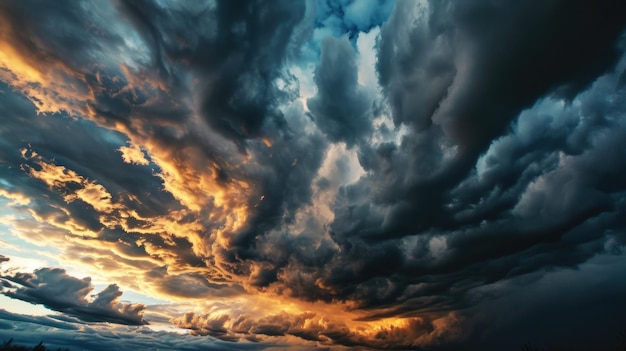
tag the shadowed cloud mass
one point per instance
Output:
(57, 290)
(301, 174)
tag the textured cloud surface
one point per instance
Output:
(302, 174)
(61, 292)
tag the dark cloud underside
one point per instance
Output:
(57, 290)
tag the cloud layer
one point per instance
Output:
(391, 172)
(55, 289)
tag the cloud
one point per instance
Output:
(133, 154)
(57, 334)
(574, 298)
(397, 334)
(415, 210)
(41, 320)
(383, 169)
(340, 107)
(351, 17)
(55, 289)
(462, 76)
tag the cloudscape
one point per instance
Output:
(299, 175)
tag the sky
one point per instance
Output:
(312, 175)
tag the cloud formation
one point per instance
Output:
(70, 335)
(407, 333)
(55, 289)
(340, 107)
(392, 172)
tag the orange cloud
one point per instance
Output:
(323, 328)
(194, 179)
(16, 198)
(123, 261)
(49, 83)
(133, 154)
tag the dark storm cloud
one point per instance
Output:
(536, 200)
(458, 82)
(223, 63)
(283, 181)
(445, 82)
(443, 79)
(235, 52)
(238, 48)
(505, 167)
(240, 56)
(55, 289)
(341, 105)
(572, 310)
(474, 65)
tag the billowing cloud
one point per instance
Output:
(391, 172)
(407, 333)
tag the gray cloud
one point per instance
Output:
(500, 162)
(416, 210)
(58, 334)
(244, 57)
(341, 107)
(55, 289)
(311, 327)
(531, 202)
(564, 303)
(41, 320)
